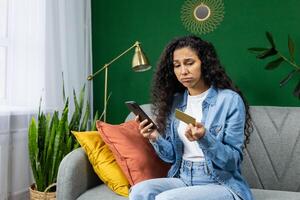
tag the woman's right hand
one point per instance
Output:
(146, 130)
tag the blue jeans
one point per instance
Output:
(194, 183)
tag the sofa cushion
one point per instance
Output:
(272, 158)
(134, 153)
(100, 192)
(103, 161)
(275, 195)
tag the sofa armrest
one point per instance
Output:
(75, 176)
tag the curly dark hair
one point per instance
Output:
(165, 83)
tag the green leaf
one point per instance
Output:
(274, 64)
(56, 165)
(296, 92)
(81, 98)
(69, 145)
(40, 104)
(76, 145)
(64, 91)
(67, 134)
(58, 140)
(270, 38)
(75, 120)
(267, 53)
(53, 132)
(86, 117)
(33, 147)
(47, 137)
(42, 129)
(287, 78)
(291, 48)
(40, 183)
(96, 117)
(257, 49)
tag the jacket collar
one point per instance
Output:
(210, 99)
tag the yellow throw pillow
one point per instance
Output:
(103, 161)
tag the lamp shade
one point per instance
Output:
(140, 62)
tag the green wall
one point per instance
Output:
(117, 24)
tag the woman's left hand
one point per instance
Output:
(196, 132)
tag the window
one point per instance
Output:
(39, 40)
(22, 52)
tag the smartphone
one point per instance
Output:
(137, 110)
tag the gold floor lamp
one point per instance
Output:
(139, 64)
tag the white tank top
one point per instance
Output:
(192, 150)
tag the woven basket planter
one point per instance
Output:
(37, 195)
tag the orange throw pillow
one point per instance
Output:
(134, 153)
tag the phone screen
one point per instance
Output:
(137, 110)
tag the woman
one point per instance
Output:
(206, 156)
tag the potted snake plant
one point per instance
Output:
(50, 139)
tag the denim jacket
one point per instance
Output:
(224, 119)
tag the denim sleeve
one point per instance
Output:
(164, 149)
(163, 144)
(227, 154)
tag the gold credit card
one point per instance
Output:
(184, 117)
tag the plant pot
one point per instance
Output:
(37, 195)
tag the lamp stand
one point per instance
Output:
(105, 68)
(105, 93)
(140, 63)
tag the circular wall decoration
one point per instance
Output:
(202, 16)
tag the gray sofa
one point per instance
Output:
(271, 161)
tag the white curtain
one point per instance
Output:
(45, 38)
(68, 47)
